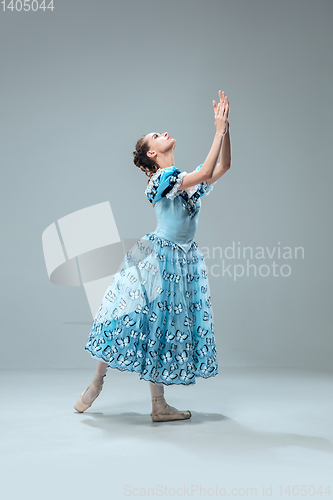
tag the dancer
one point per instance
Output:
(156, 317)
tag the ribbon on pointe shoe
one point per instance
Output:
(165, 412)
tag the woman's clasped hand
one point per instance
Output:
(221, 113)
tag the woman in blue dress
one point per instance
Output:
(156, 317)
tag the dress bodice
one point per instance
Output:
(174, 222)
(177, 211)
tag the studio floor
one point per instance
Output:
(254, 433)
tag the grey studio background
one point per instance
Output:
(79, 86)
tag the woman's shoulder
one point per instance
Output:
(164, 183)
(161, 174)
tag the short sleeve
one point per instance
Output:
(204, 187)
(164, 184)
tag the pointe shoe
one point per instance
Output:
(162, 415)
(80, 406)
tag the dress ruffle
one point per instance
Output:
(174, 191)
(152, 183)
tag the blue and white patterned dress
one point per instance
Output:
(156, 317)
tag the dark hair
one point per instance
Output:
(141, 160)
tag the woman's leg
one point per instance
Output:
(156, 391)
(96, 383)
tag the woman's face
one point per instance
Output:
(160, 143)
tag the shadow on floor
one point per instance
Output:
(214, 433)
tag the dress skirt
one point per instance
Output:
(156, 317)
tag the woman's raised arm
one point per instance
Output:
(207, 170)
